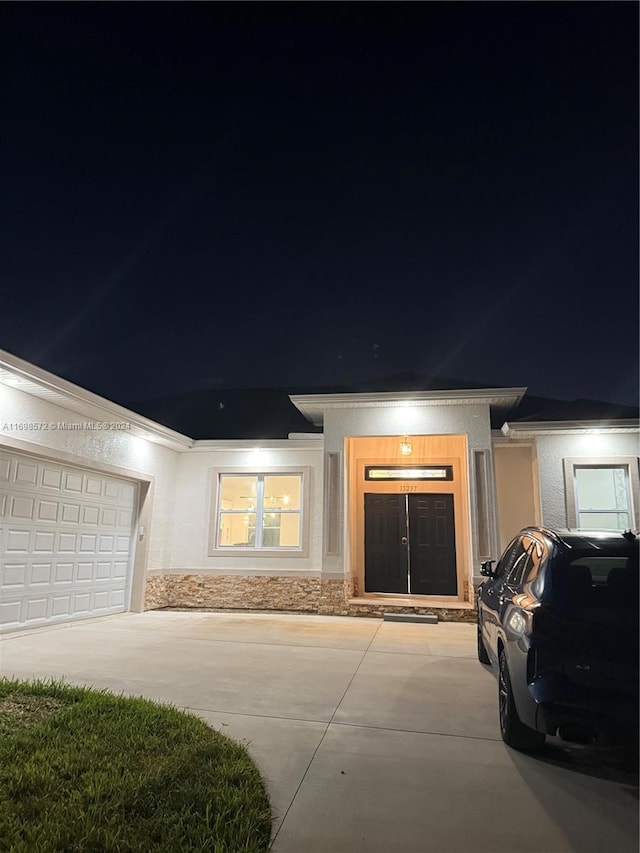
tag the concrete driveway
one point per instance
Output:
(372, 736)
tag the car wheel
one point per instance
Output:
(483, 657)
(514, 732)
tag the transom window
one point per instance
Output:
(259, 511)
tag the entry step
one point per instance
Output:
(410, 617)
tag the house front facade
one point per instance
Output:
(388, 504)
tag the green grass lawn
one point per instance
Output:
(84, 770)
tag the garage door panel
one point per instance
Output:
(87, 543)
(93, 486)
(17, 542)
(22, 508)
(10, 612)
(20, 579)
(47, 511)
(70, 513)
(101, 600)
(111, 489)
(44, 542)
(91, 515)
(15, 575)
(106, 544)
(63, 573)
(61, 605)
(85, 571)
(37, 608)
(109, 517)
(81, 603)
(123, 544)
(103, 570)
(72, 483)
(25, 473)
(66, 542)
(44, 606)
(117, 598)
(41, 573)
(51, 479)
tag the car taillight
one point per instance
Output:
(520, 621)
(528, 620)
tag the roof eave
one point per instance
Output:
(314, 406)
(26, 377)
(526, 429)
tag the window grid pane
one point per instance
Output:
(260, 511)
(603, 521)
(236, 529)
(601, 488)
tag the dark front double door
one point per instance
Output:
(410, 544)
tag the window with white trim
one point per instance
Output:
(602, 497)
(260, 511)
(601, 493)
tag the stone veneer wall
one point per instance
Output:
(333, 597)
(444, 614)
(261, 592)
(155, 593)
(296, 594)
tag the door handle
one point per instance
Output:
(404, 540)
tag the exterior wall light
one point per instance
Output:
(405, 447)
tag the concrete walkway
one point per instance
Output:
(373, 737)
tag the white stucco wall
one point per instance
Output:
(194, 503)
(553, 449)
(447, 419)
(108, 449)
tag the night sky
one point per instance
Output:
(251, 195)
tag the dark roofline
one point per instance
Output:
(254, 413)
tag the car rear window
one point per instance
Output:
(604, 580)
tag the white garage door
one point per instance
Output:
(66, 542)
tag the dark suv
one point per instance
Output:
(558, 619)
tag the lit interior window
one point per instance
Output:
(260, 511)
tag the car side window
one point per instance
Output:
(537, 557)
(518, 566)
(508, 558)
